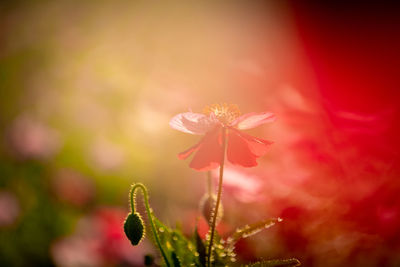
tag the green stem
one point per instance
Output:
(215, 212)
(149, 214)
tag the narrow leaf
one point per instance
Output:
(176, 243)
(252, 229)
(276, 263)
(175, 260)
(201, 249)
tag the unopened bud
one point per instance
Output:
(134, 229)
(207, 205)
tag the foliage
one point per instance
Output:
(179, 250)
(27, 242)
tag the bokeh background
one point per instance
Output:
(87, 89)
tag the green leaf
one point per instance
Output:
(201, 249)
(175, 260)
(276, 263)
(252, 229)
(222, 255)
(180, 249)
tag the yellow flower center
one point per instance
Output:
(224, 112)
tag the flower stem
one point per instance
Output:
(215, 212)
(149, 214)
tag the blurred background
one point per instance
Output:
(87, 89)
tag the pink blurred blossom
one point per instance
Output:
(75, 251)
(99, 240)
(72, 187)
(106, 155)
(243, 185)
(9, 208)
(30, 138)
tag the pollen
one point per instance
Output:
(224, 112)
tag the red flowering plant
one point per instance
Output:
(217, 123)
(221, 126)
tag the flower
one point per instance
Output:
(72, 187)
(244, 186)
(9, 208)
(242, 149)
(31, 139)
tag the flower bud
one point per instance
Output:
(207, 205)
(134, 229)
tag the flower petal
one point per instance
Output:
(209, 153)
(244, 149)
(257, 146)
(188, 152)
(253, 119)
(193, 123)
(238, 151)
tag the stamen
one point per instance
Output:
(224, 112)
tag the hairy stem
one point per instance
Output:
(149, 214)
(215, 212)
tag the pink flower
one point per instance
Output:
(244, 186)
(30, 138)
(72, 187)
(242, 149)
(9, 208)
(99, 240)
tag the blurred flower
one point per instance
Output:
(242, 149)
(106, 155)
(72, 187)
(9, 208)
(244, 186)
(75, 251)
(99, 241)
(31, 139)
